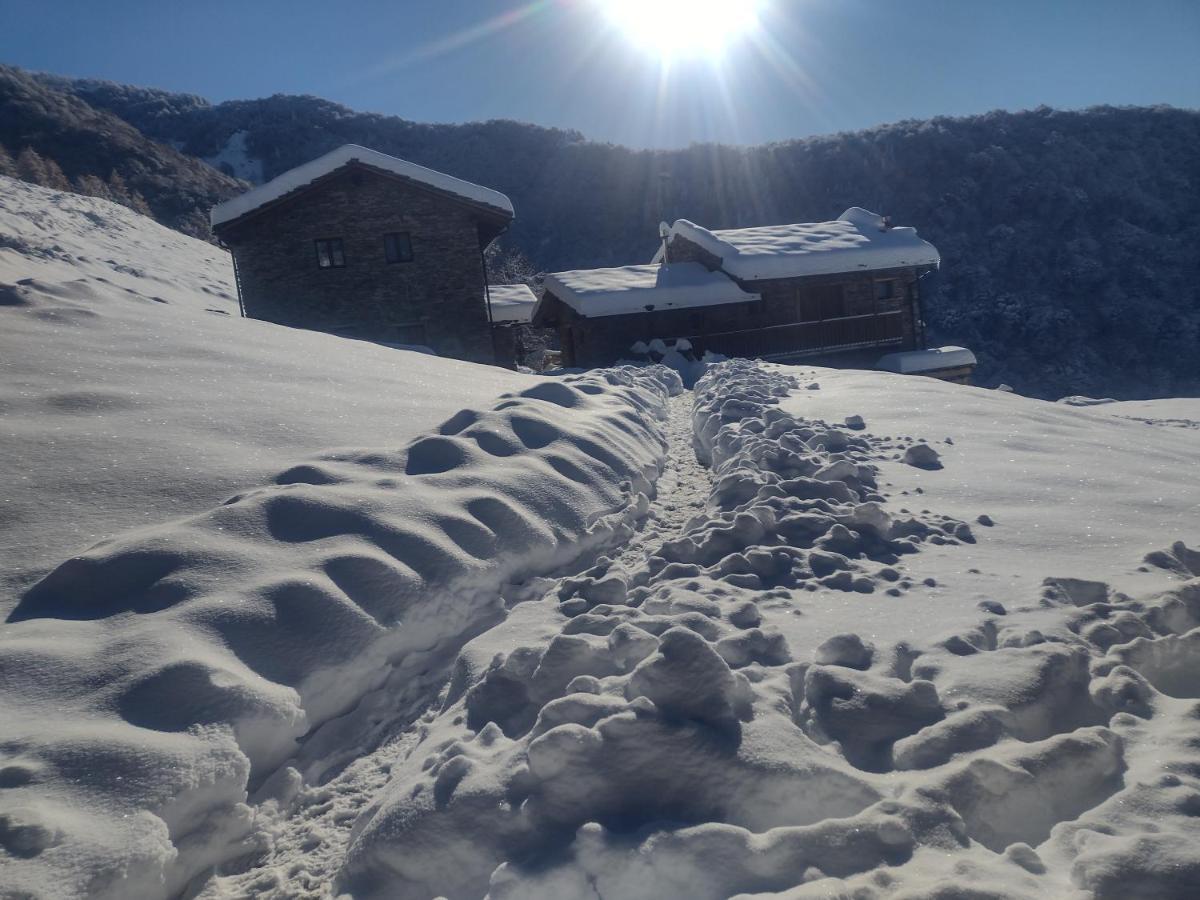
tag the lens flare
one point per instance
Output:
(684, 28)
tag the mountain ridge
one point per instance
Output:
(1070, 240)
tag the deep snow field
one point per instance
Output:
(131, 392)
(295, 616)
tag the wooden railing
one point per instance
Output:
(777, 341)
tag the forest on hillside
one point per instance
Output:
(1070, 241)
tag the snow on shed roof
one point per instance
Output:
(303, 175)
(857, 240)
(911, 361)
(632, 289)
(511, 302)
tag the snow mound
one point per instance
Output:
(670, 741)
(148, 682)
(131, 392)
(858, 239)
(651, 704)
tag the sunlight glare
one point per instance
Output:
(674, 28)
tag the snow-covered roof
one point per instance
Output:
(512, 302)
(631, 289)
(911, 361)
(858, 240)
(299, 177)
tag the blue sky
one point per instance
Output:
(813, 66)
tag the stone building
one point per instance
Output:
(365, 245)
(843, 291)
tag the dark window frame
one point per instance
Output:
(887, 289)
(331, 253)
(398, 247)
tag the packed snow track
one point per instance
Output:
(690, 645)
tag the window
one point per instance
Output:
(330, 254)
(885, 290)
(819, 302)
(397, 247)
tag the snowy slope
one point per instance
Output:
(149, 681)
(810, 690)
(131, 392)
(800, 633)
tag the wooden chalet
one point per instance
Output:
(366, 245)
(846, 289)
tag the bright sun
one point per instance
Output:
(675, 28)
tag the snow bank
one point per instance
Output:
(147, 681)
(856, 240)
(303, 175)
(772, 703)
(633, 289)
(661, 700)
(1079, 491)
(512, 302)
(915, 361)
(131, 392)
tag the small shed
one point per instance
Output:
(601, 313)
(953, 364)
(510, 308)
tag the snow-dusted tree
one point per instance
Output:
(92, 186)
(118, 188)
(31, 167)
(8, 165)
(55, 177)
(508, 265)
(139, 205)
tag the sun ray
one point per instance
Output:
(683, 28)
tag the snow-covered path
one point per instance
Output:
(307, 827)
(766, 677)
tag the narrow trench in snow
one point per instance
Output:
(309, 826)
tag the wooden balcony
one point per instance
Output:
(806, 338)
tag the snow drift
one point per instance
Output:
(131, 392)
(197, 657)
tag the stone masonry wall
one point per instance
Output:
(435, 299)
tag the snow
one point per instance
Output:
(796, 633)
(632, 289)
(131, 392)
(147, 683)
(857, 240)
(1176, 412)
(512, 302)
(914, 361)
(299, 177)
(237, 157)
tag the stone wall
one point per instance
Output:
(436, 299)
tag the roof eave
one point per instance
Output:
(501, 218)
